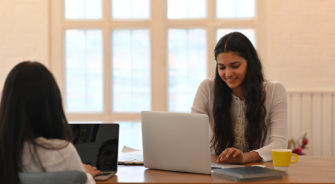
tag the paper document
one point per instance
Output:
(130, 156)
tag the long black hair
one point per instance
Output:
(31, 107)
(253, 91)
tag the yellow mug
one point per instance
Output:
(282, 158)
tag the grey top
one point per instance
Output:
(276, 115)
(55, 155)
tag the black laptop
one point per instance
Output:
(97, 145)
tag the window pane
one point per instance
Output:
(130, 9)
(130, 135)
(83, 71)
(250, 33)
(83, 9)
(186, 9)
(186, 66)
(235, 8)
(131, 70)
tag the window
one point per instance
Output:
(115, 58)
(130, 9)
(235, 9)
(83, 9)
(130, 70)
(186, 9)
(83, 70)
(187, 66)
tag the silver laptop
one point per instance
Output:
(176, 141)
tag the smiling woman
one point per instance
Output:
(232, 69)
(239, 103)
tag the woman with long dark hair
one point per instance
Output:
(34, 132)
(248, 115)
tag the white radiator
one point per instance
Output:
(312, 112)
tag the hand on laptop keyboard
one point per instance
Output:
(92, 170)
(105, 175)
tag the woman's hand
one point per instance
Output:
(231, 156)
(92, 170)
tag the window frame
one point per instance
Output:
(158, 26)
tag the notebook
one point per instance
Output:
(97, 145)
(176, 141)
(251, 173)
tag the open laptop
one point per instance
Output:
(176, 141)
(97, 145)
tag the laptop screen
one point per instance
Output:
(97, 144)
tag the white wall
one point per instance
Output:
(297, 38)
(23, 33)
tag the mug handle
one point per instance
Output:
(296, 158)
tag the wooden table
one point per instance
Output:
(308, 169)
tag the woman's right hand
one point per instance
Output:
(92, 170)
(231, 156)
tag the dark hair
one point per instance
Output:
(31, 107)
(253, 91)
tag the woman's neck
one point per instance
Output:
(238, 92)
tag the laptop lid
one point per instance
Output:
(97, 144)
(176, 141)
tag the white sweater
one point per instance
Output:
(64, 159)
(276, 115)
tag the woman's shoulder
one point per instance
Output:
(53, 154)
(275, 89)
(207, 83)
(206, 86)
(52, 143)
(274, 85)
(58, 149)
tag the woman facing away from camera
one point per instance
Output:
(34, 132)
(248, 115)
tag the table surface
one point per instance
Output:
(308, 169)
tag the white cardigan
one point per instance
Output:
(64, 159)
(276, 115)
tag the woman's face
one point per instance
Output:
(232, 69)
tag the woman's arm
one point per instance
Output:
(278, 121)
(201, 99)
